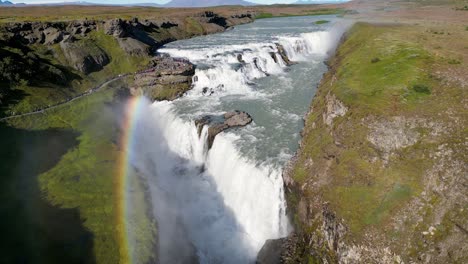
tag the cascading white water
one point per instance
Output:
(226, 205)
(234, 67)
(222, 204)
(298, 48)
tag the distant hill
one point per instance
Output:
(5, 3)
(203, 3)
(309, 2)
(84, 3)
(81, 3)
(145, 4)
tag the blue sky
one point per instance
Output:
(148, 1)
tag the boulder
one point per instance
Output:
(218, 124)
(284, 56)
(237, 118)
(52, 36)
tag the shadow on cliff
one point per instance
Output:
(24, 67)
(32, 230)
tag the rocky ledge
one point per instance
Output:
(218, 124)
(167, 78)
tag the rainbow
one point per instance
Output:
(127, 140)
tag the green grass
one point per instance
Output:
(371, 84)
(453, 61)
(421, 88)
(321, 22)
(193, 26)
(351, 175)
(316, 12)
(40, 97)
(32, 229)
(84, 178)
(264, 15)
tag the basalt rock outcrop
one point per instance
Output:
(284, 55)
(47, 33)
(85, 57)
(218, 124)
(167, 78)
(136, 37)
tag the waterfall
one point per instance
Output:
(221, 206)
(232, 69)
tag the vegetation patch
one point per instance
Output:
(38, 81)
(84, 177)
(454, 61)
(321, 22)
(379, 74)
(422, 88)
(311, 12)
(264, 15)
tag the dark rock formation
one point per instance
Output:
(47, 33)
(271, 252)
(218, 124)
(273, 56)
(115, 27)
(240, 58)
(168, 25)
(85, 57)
(283, 54)
(277, 251)
(215, 19)
(133, 30)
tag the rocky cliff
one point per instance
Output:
(76, 56)
(380, 176)
(167, 78)
(135, 37)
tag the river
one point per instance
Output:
(221, 205)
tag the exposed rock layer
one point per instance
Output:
(135, 37)
(168, 78)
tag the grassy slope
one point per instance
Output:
(342, 167)
(304, 12)
(50, 93)
(85, 176)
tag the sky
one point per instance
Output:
(151, 1)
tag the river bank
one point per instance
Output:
(380, 172)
